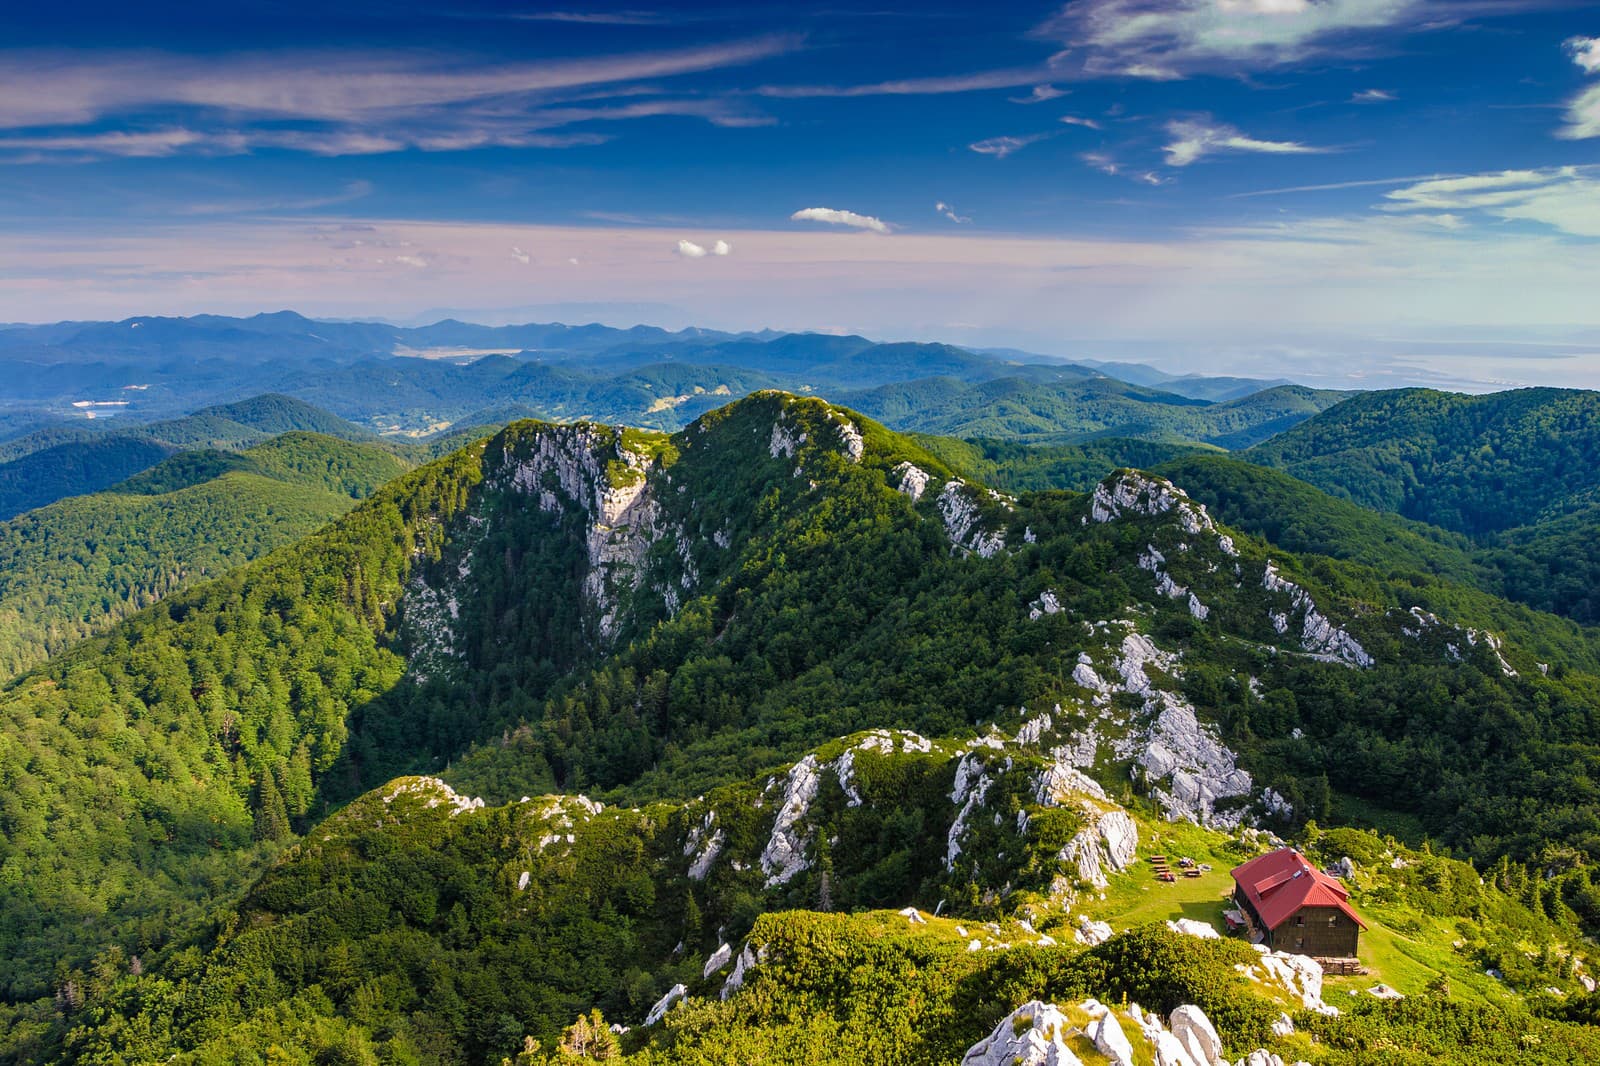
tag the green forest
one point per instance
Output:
(203, 854)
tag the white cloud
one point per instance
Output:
(1000, 147)
(1102, 162)
(1166, 39)
(520, 256)
(1079, 120)
(1371, 96)
(691, 250)
(1197, 138)
(840, 218)
(1565, 199)
(1585, 51)
(1583, 116)
(1040, 94)
(1583, 110)
(344, 104)
(949, 212)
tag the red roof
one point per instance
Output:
(1280, 882)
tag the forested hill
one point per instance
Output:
(1473, 464)
(1553, 566)
(75, 459)
(73, 567)
(648, 616)
(1075, 410)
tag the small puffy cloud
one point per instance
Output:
(520, 256)
(1000, 147)
(1585, 51)
(1040, 94)
(691, 250)
(949, 212)
(1371, 96)
(1079, 120)
(1194, 139)
(1566, 199)
(835, 217)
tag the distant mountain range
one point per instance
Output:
(415, 380)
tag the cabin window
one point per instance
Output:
(1299, 919)
(1333, 919)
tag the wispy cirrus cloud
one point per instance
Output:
(342, 104)
(1079, 120)
(939, 85)
(1194, 139)
(1566, 199)
(835, 217)
(1372, 96)
(950, 213)
(1170, 39)
(1041, 94)
(1000, 147)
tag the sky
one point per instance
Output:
(1362, 192)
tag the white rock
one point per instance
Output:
(664, 1004)
(719, 958)
(741, 969)
(963, 521)
(1035, 1034)
(913, 480)
(522, 882)
(1283, 1025)
(1318, 635)
(784, 855)
(913, 915)
(1047, 603)
(1191, 927)
(1110, 1040)
(1196, 1033)
(1090, 933)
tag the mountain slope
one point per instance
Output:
(1075, 411)
(55, 464)
(1472, 464)
(651, 618)
(75, 566)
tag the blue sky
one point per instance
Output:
(1356, 189)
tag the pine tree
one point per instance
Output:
(272, 817)
(297, 786)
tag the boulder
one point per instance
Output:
(719, 958)
(664, 1004)
(1197, 1035)
(1191, 927)
(1035, 1034)
(1110, 1040)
